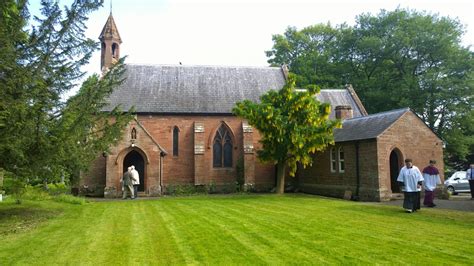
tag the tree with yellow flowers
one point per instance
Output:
(293, 124)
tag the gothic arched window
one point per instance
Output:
(222, 148)
(175, 141)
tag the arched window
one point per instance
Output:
(342, 165)
(175, 141)
(222, 148)
(114, 50)
(133, 134)
(332, 155)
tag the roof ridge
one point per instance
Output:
(405, 109)
(329, 89)
(206, 66)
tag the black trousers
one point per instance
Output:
(471, 185)
(135, 190)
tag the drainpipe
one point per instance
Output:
(356, 196)
(162, 155)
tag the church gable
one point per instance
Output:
(367, 127)
(137, 134)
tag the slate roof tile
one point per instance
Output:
(367, 127)
(204, 89)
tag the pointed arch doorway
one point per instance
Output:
(395, 163)
(136, 159)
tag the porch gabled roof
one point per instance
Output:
(367, 127)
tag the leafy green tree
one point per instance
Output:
(42, 136)
(395, 59)
(12, 75)
(83, 130)
(312, 54)
(460, 141)
(293, 125)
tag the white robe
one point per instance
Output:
(410, 178)
(431, 181)
(136, 177)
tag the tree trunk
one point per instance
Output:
(281, 169)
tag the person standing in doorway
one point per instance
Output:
(470, 177)
(127, 184)
(411, 179)
(135, 181)
(431, 177)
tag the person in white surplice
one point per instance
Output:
(135, 181)
(411, 179)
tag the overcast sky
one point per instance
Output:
(235, 32)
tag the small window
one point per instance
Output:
(114, 50)
(333, 160)
(175, 141)
(342, 165)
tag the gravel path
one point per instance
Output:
(460, 202)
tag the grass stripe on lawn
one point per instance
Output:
(238, 229)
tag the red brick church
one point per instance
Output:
(185, 134)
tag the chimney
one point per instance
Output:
(343, 112)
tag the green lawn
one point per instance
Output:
(241, 229)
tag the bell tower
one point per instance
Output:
(109, 44)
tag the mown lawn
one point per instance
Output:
(240, 229)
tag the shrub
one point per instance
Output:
(57, 192)
(70, 199)
(13, 186)
(169, 190)
(58, 188)
(240, 172)
(228, 188)
(36, 193)
(183, 190)
(249, 187)
(211, 188)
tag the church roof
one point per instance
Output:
(110, 30)
(342, 97)
(367, 127)
(178, 89)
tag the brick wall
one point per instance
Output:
(265, 173)
(409, 135)
(92, 182)
(319, 179)
(188, 168)
(414, 140)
